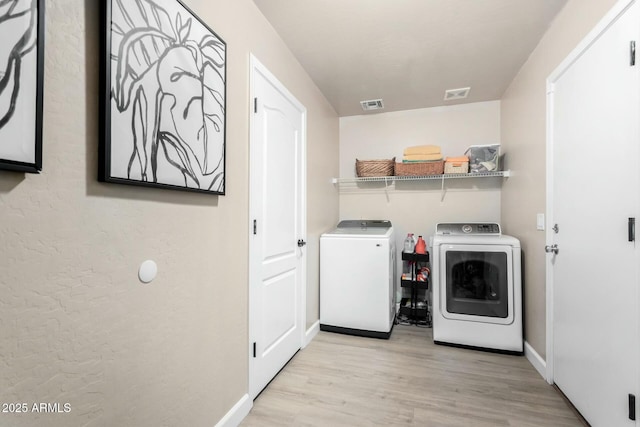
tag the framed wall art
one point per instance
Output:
(163, 97)
(21, 81)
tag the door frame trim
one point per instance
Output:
(609, 18)
(256, 66)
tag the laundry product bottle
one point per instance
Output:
(409, 243)
(406, 270)
(421, 246)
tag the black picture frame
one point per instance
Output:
(162, 98)
(21, 85)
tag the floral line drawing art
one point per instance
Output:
(21, 76)
(165, 121)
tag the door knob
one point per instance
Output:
(551, 249)
(301, 243)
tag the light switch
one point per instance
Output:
(540, 222)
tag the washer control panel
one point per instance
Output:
(483, 228)
(364, 223)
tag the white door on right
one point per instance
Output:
(595, 184)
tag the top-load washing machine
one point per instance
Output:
(477, 287)
(357, 273)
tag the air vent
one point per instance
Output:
(372, 104)
(461, 93)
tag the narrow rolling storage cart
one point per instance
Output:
(415, 302)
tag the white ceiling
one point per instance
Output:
(408, 52)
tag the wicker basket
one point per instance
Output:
(367, 168)
(420, 168)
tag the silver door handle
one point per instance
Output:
(552, 249)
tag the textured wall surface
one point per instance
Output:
(76, 325)
(524, 137)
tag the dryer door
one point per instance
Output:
(477, 283)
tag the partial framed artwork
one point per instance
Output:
(21, 84)
(163, 97)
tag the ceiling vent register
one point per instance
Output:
(461, 93)
(372, 104)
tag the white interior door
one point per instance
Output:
(277, 277)
(595, 189)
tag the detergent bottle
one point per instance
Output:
(409, 243)
(421, 246)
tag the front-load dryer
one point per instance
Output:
(357, 277)
(477, 288)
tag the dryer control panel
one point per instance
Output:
(484, 228)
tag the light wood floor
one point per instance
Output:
(342, 380)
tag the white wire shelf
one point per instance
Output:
(391, 179)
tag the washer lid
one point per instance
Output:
(361, 228)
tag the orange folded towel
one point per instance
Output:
(459, 159)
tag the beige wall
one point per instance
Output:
(416, 207)
(76, 325)
(386, 135)
(523, 136)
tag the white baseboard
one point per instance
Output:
(240, 410)
(534, 358)
(311, 333)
